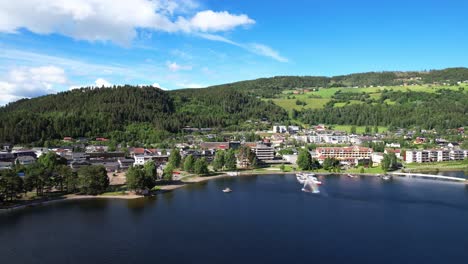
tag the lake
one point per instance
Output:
(266, 219)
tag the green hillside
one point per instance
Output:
(433, 99)
(115, 111)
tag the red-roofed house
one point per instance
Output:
(396, 151)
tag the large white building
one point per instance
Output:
(286, 129)
(329, 137)
(346, 155)
(434, 155)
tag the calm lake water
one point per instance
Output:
(266, 219)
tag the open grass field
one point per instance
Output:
(446, 165)
(359, 129)
(290, 104)
(318, 99)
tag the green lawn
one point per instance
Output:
(446, 165)
(373, 170)
(359, 129)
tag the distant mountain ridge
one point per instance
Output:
(267, 87)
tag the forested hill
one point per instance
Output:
(269, 87)
(102, 111)
(130, 113)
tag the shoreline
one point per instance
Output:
(171, 187)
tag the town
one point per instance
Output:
(323, 149)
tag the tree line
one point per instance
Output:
(51, 176)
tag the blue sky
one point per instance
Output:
(49, 46)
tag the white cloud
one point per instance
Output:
(101, 82)
(31, 82)
(266, 51)
(173, 66)
(210, 21)
(113, 20)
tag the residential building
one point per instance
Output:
(377, 158)
(125, 163)
(280, 129)
(24, 152)
(434, 155)
(93, 148)
(25, 160)
(40, 151)
(264, 152)
(397, 152)
(458, 154)
(393, 145)
(286, 129)
(215, 145)
(346, 155)
(5, 165)
(6, 156)
(329, 137)
(75, 165)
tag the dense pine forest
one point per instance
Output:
(90, 112)
(126, 113)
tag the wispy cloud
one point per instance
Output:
(266, 51)
(259, 49)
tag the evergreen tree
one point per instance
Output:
(218, 162)
(389, 162)
(168, 172)
(93, 179)
(331, 164)
(230, 161)
(141, 178)
(304, 160)
(150, 169)
(201, 167)
(175, 158)
(189, 163)
(11, 185)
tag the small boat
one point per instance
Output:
(303, 177)
(227, 190)
(351, 176)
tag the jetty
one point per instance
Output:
(428, 176)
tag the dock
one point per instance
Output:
(428, 176)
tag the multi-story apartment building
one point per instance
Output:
(434, 155)
(264, 152)
(350, 155)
